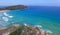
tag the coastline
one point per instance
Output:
(4, 10)
(23, 30)
(1, 18)
(9, 30)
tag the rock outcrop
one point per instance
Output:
(25, 29)
(7, 31)
(29, 30)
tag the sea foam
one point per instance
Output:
(38, 26)
(5, 14)
(5, 19)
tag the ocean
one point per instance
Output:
(46, 16)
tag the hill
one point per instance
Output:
(16, 7)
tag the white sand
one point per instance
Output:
(4, 10)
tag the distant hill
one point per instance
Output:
(16, 7)
(3, 6)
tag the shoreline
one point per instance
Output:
(4, 10)
(26, 28)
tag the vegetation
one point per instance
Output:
(17, 32)
(21, 7)
(29, 30)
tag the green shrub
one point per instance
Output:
(17, 32)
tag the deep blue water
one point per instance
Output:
(48, 17)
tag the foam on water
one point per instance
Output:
(43, 30)
(38, 26)
(25, 24)
(10, 16)
(5, 14)
(48, 31)
(5, 19)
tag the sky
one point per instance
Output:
(30, 2)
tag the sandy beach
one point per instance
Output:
(4, 10)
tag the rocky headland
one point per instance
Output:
(15, 7)
(29, 30)
(25, 29)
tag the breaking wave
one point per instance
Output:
(44, 30)
(4, 19)
(38, 26)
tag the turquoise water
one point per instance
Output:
(49, 19)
